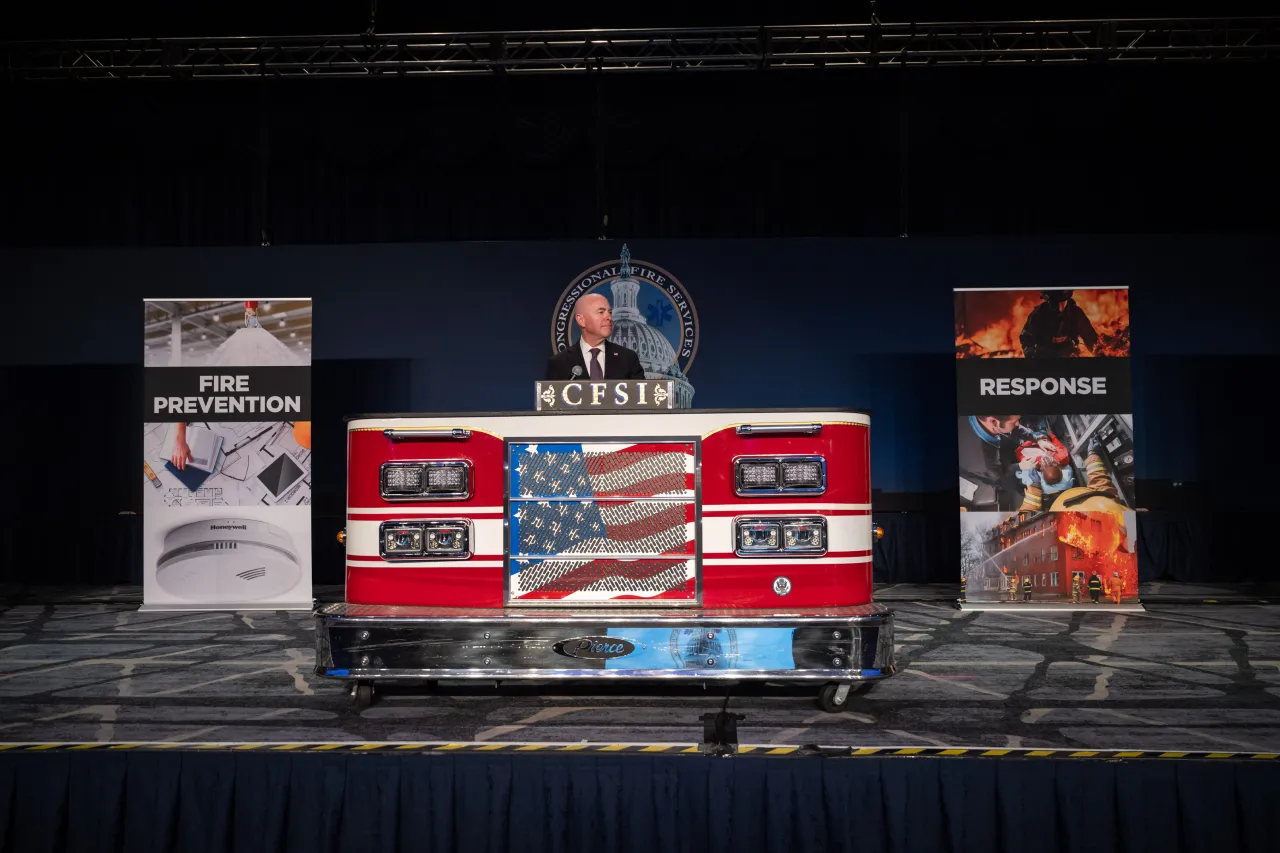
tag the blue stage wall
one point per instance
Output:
(865, 323)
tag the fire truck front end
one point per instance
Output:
(706, 546)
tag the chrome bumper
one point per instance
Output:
(365, 642)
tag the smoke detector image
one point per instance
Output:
(228, 560)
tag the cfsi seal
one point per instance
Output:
(652, 315)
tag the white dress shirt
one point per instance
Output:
(586, 356)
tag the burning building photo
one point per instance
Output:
(1084, 556)
(1034, 463)
(1035, 323)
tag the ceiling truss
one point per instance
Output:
(836, 46)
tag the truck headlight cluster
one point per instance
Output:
(425, 540)
(418, 481)
(774, 535)
(779, 475)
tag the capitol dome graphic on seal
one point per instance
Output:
(652, 314)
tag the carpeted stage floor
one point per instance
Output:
(83, 665)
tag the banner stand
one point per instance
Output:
(1048, 518)
(226, 446)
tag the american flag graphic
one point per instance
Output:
(602, 522)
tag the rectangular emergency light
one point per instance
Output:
(779, 475)
(448, 479)
(758, 536)
(780, 536)
(439, 539)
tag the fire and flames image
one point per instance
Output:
(1102, 541)
(1050, 557)
(1032, 323)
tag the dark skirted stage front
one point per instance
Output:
(1096, 732)
(243, 801)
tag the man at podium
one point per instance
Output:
(595, 357)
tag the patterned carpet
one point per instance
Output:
(84, 665)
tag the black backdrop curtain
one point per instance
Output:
(1116, 149)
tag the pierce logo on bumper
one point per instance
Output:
(595, 648)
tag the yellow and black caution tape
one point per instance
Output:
(632, 749)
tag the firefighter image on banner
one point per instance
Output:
(1046, 454)
(226, 454)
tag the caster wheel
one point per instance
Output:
(831, 700)
(361, 695)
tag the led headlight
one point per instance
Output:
(402, 540)
(779, 475)
(802, 473)
(757, 536)
(756, 475)
(780, 536)
(445, 539)
(401, 480)
(447, 478)
(806, 535)
(419, 481)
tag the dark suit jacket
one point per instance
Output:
(619, 363)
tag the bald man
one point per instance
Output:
(595, 356)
